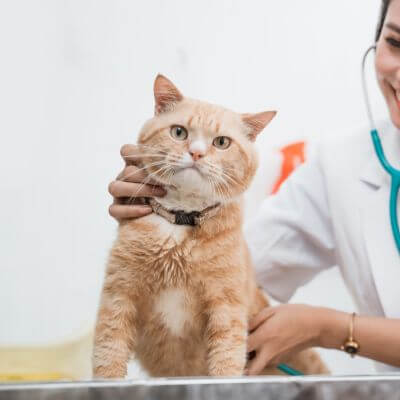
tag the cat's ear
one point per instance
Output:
(166, 94)
(257, 122)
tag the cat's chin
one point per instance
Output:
(189, 171)
(189, 179)
(188, 190)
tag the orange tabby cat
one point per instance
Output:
(179, 287)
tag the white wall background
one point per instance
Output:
(76, 83)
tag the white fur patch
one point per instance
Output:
(196, 200)
(198, 146)
(187, 160)
(171, 305)
(175, 232)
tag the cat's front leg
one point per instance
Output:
(226, 336)
(115, 335)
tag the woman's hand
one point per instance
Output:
(279, 332)
(131, 184)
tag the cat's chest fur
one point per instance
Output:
(174, 309)
(162, 254)
(164, 230)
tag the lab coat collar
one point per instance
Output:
(381, 248)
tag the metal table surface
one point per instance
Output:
(334, 387)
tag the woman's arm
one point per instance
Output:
(279, 332)
(378, 337)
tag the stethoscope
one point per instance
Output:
(393, 172)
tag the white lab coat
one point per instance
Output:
(333, 210)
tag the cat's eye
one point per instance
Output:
(179, 132)
(222, 142)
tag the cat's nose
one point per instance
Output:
(196, 155)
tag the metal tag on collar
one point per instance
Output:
(183, 218)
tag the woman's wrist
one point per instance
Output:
(333, 328)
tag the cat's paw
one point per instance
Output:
(109, 372)
(226, 370)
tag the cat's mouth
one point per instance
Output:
(193, 167)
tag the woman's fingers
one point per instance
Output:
(264, 314)
(130, 185)
(130, 153)
(258, 363)
(255, 340)
(129, 189)
(258, 336)
(120, 212)
(132, 173)
(135, 174)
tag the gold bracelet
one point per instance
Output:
(350, 346)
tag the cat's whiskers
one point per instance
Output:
(171, 173)
(171, 157)
(221, 186)
(212, 173)
(212, 167)
(167, 169)
(220, 171)
(166, 152)
(150, 176)
(157, 148)
(147, 166)
(227, 189)
(219, 189)
(219, 168)
(139, 156)
(216, 175)
(140, 169)
(182, 189)
(214, 194)
(233, 180)
(169, 166)
(216, 188)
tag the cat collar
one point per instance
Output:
(180, 217)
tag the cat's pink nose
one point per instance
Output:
(196, 155)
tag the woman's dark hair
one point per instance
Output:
(384, 8)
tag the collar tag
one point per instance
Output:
(183, 218)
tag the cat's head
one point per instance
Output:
(197, 147)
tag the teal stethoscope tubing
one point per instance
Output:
(393, 172)
(395, 186)
(289, 370)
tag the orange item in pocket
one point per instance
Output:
(292, 156)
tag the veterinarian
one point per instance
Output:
(334, 210)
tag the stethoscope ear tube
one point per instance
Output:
(365, 88)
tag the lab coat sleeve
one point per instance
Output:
(291, 237)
